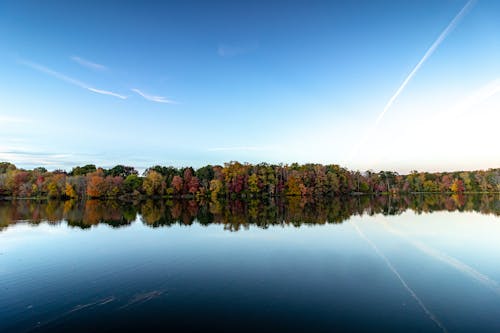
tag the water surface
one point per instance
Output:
(355, 264)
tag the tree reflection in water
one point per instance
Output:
(235, 215)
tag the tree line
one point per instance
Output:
(233, 180)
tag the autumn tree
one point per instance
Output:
(132, 184)
(153, 183)
(253, 184)
(193, 185)
(457, 186)
(70, 191)
(177, 184)
(6, 167)
(293, 187)
(96, 186)
(114, 186)
(216, 189)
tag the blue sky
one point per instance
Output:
(206, 82)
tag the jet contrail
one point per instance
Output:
(68, 79)
(412, 293)
(427, 54)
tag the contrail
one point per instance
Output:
(463, 106)
(429, 314)
(68, 79)
(410, 76)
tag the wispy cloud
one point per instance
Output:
(477, 97)
(88, 64)
(68, 79)
(27, 155)
(231, 50)
(243, 148)
(53, 73)
(447, 122)
(470, 103)
(449, 28)
(105, 92)
(152, 98)
(35, 158)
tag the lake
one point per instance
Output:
(406, 264)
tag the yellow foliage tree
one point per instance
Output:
(253, 183)
(215, 189)
(70, 191)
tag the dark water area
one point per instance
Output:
(362, 264)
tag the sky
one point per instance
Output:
(380, 85)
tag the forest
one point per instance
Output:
(233, 180)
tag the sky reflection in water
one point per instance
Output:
(407, 272)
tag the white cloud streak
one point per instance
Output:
(105, 92)
(468, 104)
(242, 148)
(477, 97)
(443, 125)
(449, 28)
(32, 158)
(152, 98)
(53, 73)
(88, 64)
(68, 79)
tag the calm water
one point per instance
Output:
(418, 264)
